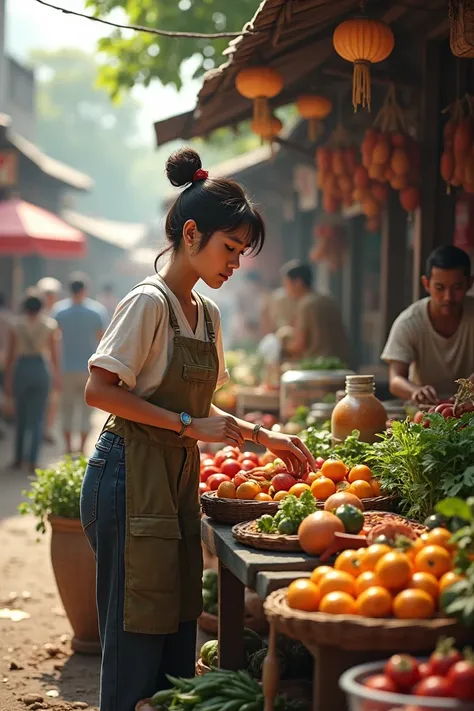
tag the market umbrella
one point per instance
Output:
(27, 229)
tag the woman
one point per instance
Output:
(156, 370)
(32, 345)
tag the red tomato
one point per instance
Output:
(206, 472)
(461, 677)
(319, 462)
(403, 670)
(240, 478)
(207, 461)
(203, 487)
(231, 467)
(426, 424)
(380, 682)
(443, 658)
(216, 479)
(247, 465)
(434, 686)
(418, 417)
(250, 455)
(424, 669)
(234, 451)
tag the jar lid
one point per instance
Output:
(360, 384)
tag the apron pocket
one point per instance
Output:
(198, 373)
(153, 553)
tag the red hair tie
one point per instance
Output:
(200, 175)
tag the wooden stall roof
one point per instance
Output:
(295, 36)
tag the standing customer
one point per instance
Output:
(82, 322)
(156, 371)
(32, 348)
(50, 290)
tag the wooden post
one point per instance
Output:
(231, 620)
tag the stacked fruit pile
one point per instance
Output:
(406, 582)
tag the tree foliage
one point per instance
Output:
(138, 58)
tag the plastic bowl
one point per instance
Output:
(360, 698)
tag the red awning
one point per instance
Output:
(27, 229)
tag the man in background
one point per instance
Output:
(6, 322)
(317, 330)
(82, 322)
(50, 290)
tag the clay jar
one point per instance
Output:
(358, 410)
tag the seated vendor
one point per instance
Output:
(431, 343)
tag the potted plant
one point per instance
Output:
(54, 496)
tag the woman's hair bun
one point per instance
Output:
(181, 166)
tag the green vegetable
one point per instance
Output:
(208, 599)
(255, 663)
(252, 641)
(457, 600)
(435, 521)
(287, 527)
(291, 511)
(351, 517)
(209, 580)
(207, 648)
(352, 451)
(265, 523)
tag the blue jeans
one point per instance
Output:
(133, 665)
(31, 382)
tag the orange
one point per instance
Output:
(303, 595)
(226, 490)
(342, 485)
(319, 572)
(376, 601)
(361, 489)
(338, 603)
(370, 556)
(337, 581)
(280, 495)
(415, 548)
(348, 561)
(449, 579)
(366, 580)
(334, 469)
(323, 488)
(433, 559)
(359, 472)
(376, 488)
(297, 489)
(426, 582)
(248, 490)
(413, 604)
(263, 497)
(440, 537)
(393, 570)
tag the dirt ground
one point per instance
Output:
(38, 670)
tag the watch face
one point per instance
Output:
(185, 418)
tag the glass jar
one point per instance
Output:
(358, 410)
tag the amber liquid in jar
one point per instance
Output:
(358, 410)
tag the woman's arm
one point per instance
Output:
(10, 362)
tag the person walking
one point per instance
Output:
(32, 364)
(50, 289)
(155, 371)
(82, 322)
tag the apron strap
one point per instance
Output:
(209, 325)
(173, 320)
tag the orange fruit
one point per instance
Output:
(376, 601)
(366, 580)
(440, 537)
(342, 485)
(226, 490)
(337, 581)
(338, 603)
(361, 489)
(449, 579)
(426, 582)
(319, 572)
(413, 604)
(433, 559)
(303, 595)
(248, 490)
(316, 531)
(359, 473)
(393, 570)
(334, 469)
(376, 487)
(415, 547)
(348, 561)
(312, 476)
(263, 497)
(280, 495)
(323, 488)
(371, 555)
(297, 489)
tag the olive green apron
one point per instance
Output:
(163, 555)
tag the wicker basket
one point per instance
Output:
(461, 18)
(233, 511)
(359, 633)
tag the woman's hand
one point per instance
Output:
(290, 449)
(222, 428)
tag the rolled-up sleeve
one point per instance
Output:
(128, 339)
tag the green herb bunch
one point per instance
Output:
(55, 491)
(291, 512)
(322, 363)
(352, 451)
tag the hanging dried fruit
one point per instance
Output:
(457, 164)
(337, 162)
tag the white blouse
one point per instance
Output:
(138, 342)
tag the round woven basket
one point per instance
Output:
(359, 633)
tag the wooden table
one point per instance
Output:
(241, 567)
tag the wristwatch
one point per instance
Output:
(186, 420)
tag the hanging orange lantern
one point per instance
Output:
(259, 84)
(363, 41)
(267, 129)
(313, 108)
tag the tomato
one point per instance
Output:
(207, 472)
(203, 487)
(319, 462)
(247, 465)
(216, 479)
(207, 461)
(380, 682)
(424, 669)
(351, 517)
(403, 671)
(230, 467)
(221, 456)
(443, 658)
(461, 677)
(418, 417)
(250, 455)
(434, 686)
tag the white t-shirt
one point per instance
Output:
(434, 359)
(138, 342)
